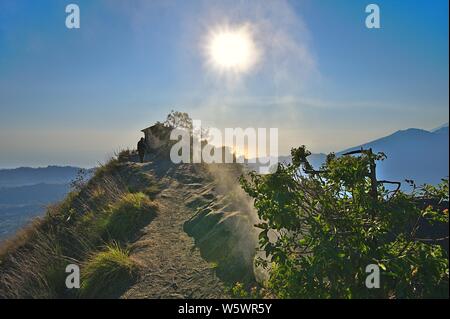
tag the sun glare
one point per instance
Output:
(232, 50)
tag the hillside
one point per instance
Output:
(164, 230)
(188, 239)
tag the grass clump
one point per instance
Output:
(128, 215)
(108, 273)
(152, 190)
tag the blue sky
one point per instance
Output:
(324, 79)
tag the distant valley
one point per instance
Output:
(25, 193)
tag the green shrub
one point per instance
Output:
(128, 215)
(329, 225)
(107, 273)
(239, 291)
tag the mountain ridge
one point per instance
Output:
(413, 153)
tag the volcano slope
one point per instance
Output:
(200, 242)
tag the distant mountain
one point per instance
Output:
(416, 154)
(29, 176)
(440, 128)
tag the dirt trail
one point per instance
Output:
(171, 264)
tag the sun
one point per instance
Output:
(232, 50)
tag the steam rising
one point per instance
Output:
(227, 183)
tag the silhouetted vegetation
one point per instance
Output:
(180, 120)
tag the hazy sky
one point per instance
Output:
(324, 79)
